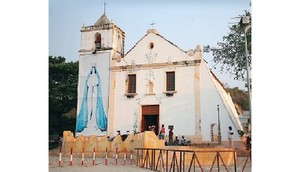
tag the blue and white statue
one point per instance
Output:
(92, 115)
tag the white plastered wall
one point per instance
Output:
(211, 96)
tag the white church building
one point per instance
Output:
(154, 83)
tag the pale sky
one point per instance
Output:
(185, 23)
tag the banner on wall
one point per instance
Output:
(93, 91)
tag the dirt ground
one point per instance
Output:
(99, 164)
(97, 168)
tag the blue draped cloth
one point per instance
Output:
(82, 117)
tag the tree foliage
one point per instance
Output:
(63, 79)
(239, 97)
(230, 53)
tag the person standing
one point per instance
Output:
(171, 136)
(162, 132)
(230, 137)
(248, 141)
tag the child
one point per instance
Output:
(162, 132)
(182, 142)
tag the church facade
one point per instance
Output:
(154, 83)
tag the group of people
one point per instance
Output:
(123, 136)
(162, 134)
(182, 141)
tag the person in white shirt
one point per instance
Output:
(230, 137)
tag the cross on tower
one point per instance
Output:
(152, 24)
(104, 7)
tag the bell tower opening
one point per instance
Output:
(98, 41)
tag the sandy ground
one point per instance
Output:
(99, 164)
(97, 168)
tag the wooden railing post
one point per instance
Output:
(234, 160)
(218, 154)
(167, 158)
(148, 159)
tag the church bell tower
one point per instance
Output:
(102, 45)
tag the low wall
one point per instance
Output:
(146, 139)
(189, 155)
(206, 156)
(142, 140)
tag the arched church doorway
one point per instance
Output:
(150, 116)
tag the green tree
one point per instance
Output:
(63, 77)
(240, 97)
(230, 53)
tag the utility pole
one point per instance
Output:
(219, 127)
(245, 24)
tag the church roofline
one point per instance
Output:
(135, 45)
(101, 27)
(156, 33)
(217, 79)
(102, 20)
(227, 100)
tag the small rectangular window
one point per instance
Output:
(131, 83)
(98, 41)
(170, 81)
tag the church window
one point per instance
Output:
(131, 83)
(150, 87)
(170, 83)
(98, 41)
(119, 43)
(151, 45)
